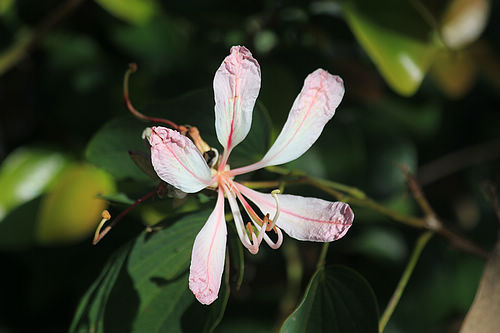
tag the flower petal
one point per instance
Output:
(177, 161)
(312, 109)
(236, 87)
(302, 218)
(209, 253)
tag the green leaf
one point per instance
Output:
(151, 293)
(109, 148)
(158, 267)
(256, 144)
(200, 104)
(17, 230)
(337, 300)
(89, 315)
(25, 174)
(400, 42)
(5, 6)
(132, 11)
(207, 319)
(236, 256)
(159, 46)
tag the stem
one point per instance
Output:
(357, 197)
(369, 203)
(419, 246)
(133, 110)
(354, 192)
(322, 256)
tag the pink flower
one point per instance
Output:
(178, 162)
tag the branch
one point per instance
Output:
(357, 197)
(455, 161)
(19, 49)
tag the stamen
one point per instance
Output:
(253, 215)
(278, 243)
(238, 220)
(277, 213)
(249, 228)
(105, 218)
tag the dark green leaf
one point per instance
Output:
(256, 144)
(109, 148)
(151, 292)
(158, 267)
(18, 229)
(337, 300)
(90, 313)
(207, 318)
(236, 256)
(201, 114)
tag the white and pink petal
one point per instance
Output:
(312, 109)
(208, 256)
(236, 87)
(306, 219)
(177, 161)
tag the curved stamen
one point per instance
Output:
(278, 243)
(253, 215)
(263, 225)
(238, 220)
(277, 214)
(105, 218)
(254, 244)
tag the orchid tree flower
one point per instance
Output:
(180, 163)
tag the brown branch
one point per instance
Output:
(434, 223)
(20, 48)
(458, 160)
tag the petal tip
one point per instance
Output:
(343, 216)
(161, 134)
(203, 293)
(241, 56)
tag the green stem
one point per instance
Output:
(369, 203)
(419, 246)
(322, 256)
(354, 192)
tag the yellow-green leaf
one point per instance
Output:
(133, 11)
(72, 209)
(396, 37)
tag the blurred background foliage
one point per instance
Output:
(422, 86)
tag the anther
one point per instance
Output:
(249, 228)
(106, 216)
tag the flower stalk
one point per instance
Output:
(396, 296)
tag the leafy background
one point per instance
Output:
(421, 90)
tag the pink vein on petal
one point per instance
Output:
(182, 164)
(252, 196)
(220, 200)
(301, 123)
